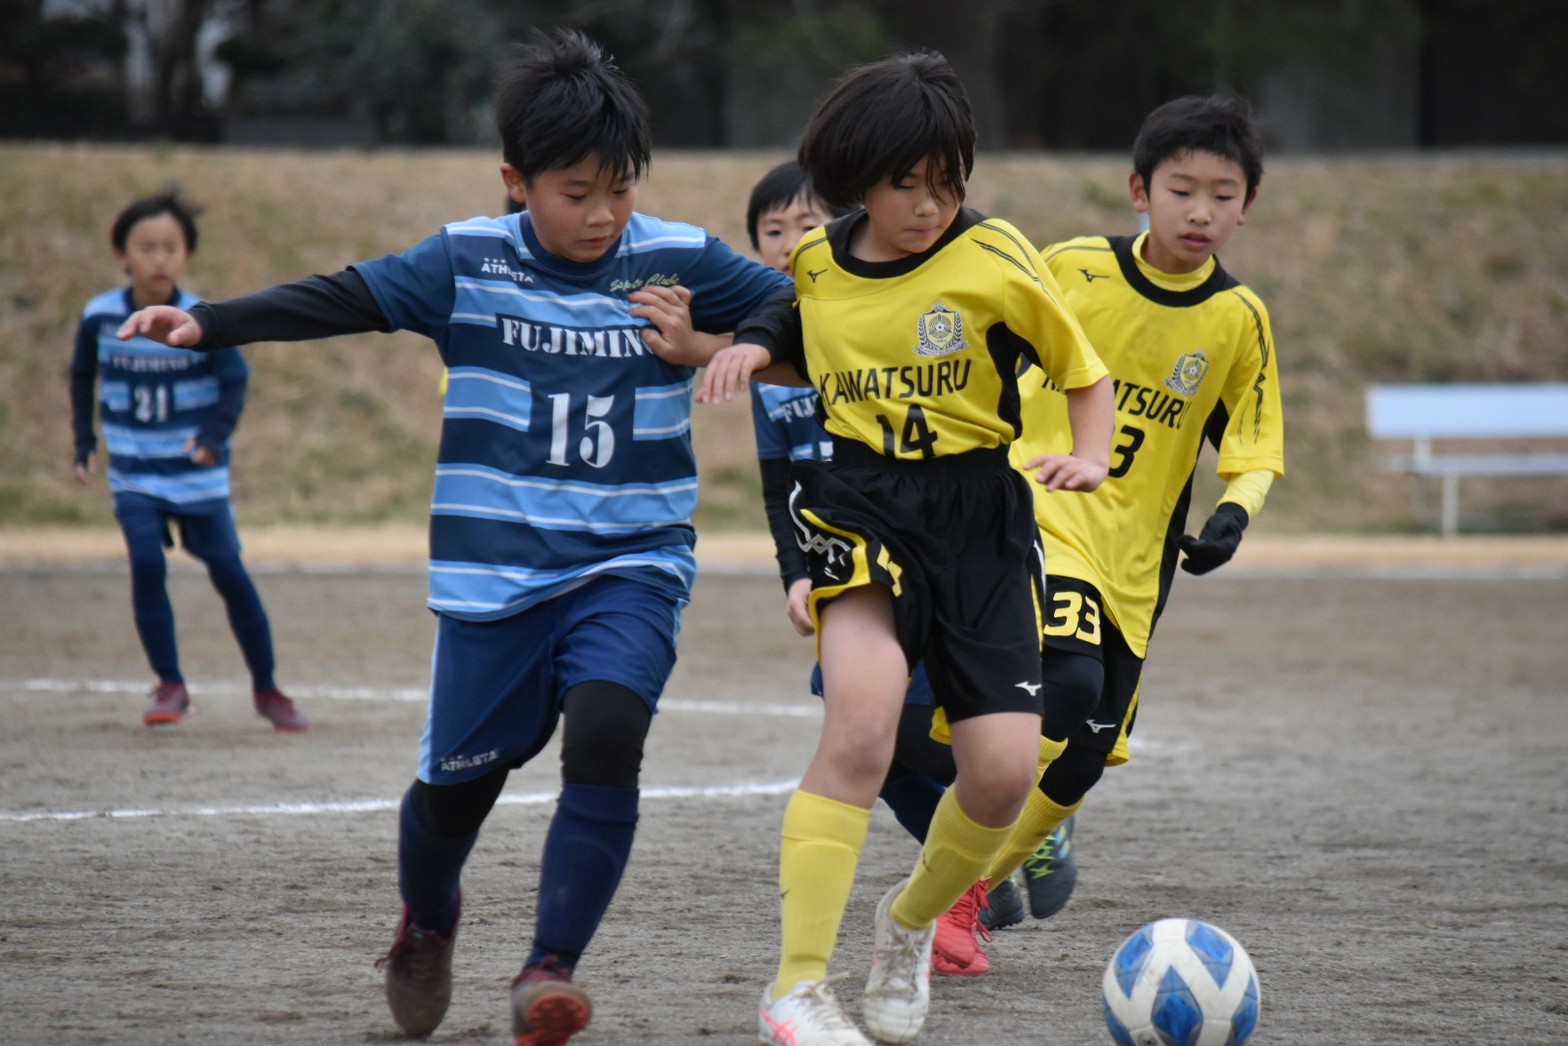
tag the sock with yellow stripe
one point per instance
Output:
(957, 851)
(1039, 819)
(822, 842)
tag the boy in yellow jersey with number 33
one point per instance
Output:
(1192, 355)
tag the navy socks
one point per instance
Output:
(429, 871)
(585, 853)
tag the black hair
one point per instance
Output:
(880, 120)
(1218, 124)
(777, 189)
(560, 100)
(168, 201)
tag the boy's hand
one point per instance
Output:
(671, 337)
(1066, 472)
(796, 606)
(162, 323)
(200, 453)
(84, 466)
(1217, 542)
(730, 370)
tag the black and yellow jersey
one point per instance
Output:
(1191, 356)
(919, 357)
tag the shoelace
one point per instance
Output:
(828, 1013)
(970, 905)
(906, 955)
(1043, 861)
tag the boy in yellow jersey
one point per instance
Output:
(1192, 355)
(911, 317)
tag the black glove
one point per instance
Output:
(1218, 541)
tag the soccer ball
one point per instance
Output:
(1180, 982)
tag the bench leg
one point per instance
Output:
(1450, 523)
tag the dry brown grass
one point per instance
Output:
(1386, 269)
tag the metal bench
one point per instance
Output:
(1425, 413)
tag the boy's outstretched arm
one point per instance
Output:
(315, 307)
(1091, 413)
(163, 323)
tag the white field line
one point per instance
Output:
(113, 686)
(735, 791)
(411, 694)
(797, 710)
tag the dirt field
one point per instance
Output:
(1354, 763)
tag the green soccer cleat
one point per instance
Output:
(1051, 872)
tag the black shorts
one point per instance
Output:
(955, 542)
(1074, 622)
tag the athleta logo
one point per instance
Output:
(814, 273)
(1029, 688)
(1097, 727)
(499, 267)
(612, 343)
(941, 332)
(1090, 277)
(465, 762)
(1189, 373)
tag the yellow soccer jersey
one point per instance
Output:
(919, 357)
(1191, 356)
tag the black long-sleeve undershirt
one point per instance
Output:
(315, 307)
(777, 484)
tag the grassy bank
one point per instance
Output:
(1450, 268)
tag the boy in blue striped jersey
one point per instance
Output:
(167, 417)
(561, 538)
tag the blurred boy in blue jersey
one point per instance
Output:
(167, 418)
(561, 539)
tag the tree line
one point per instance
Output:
(1052, 74)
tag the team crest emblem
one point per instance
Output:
(941, 332)
(1189, 373)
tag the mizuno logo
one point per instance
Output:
(1097, 727)
(1090, 277)
(1029, 688)
(814, 273)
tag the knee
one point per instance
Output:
(227, 573)
(1006, 775)
(602, 742)
(148, 565)
(455, 811)
(994, 791)
(860, 747)
(1073, 682)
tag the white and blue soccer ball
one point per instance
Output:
(1180, 982)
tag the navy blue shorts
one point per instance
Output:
(496, 686)
(145, 523)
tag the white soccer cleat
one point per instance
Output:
(807, 1015)
(898, 991)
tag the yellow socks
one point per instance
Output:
(1039, 818)
(822, 843)
(956, 853)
